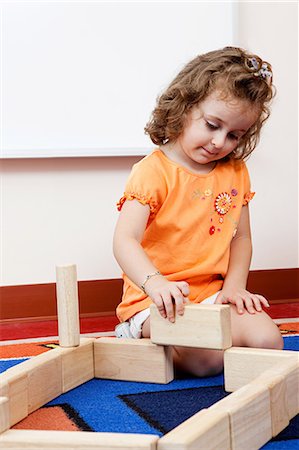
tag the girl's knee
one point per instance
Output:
(270, 340)
(200, 363)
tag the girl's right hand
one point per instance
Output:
(165, 294)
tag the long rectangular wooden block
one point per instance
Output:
(242, 365)
(208, 430)
(132, 360)
(85, 440)
(77, 364)
(202, 326)
(250, 417)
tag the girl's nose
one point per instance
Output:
(219, 139)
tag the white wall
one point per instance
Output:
(63, 210)
(60, 211)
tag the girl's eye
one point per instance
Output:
(211, 126)
(233, 137)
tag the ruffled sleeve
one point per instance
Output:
(248, 194)
(146, 184)
(248, 197)
(143, 199)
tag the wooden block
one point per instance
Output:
(292, 386)
(44, 379)
(77, 364)
(4, 414)
(242, 365)
(41, 376)
(278, 399)
(67, 306)
(15, 388)
(202, 326)
(132, 360)
(85, 440)
(208, 430)
(250, 417)
(287, 369)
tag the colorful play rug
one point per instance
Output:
(127, 407)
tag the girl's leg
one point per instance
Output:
(248, 330)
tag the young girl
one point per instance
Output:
(183, 232)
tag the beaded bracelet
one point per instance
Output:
(147, 278)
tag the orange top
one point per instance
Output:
(193, 219)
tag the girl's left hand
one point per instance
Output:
(244, 300)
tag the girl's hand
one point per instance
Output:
(244, 300)
(165, 294)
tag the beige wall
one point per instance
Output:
(63, 210)
(270, 29)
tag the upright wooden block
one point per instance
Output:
(67, 306)
(202, 326)
(132, 360)
(77, 364)
(242, 365)
(250, 417)
(4, 414)
(208, 430)
(85, 440)
(15, 387)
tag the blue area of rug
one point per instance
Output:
(165, 410)
(291, 343)
(100, 405)
(6, 364)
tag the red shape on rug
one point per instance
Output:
(50, 418)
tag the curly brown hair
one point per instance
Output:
(229, 70)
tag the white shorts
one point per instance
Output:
(138, 320)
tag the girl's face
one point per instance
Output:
(213, 129)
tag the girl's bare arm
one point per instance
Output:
(234, 287)
(136, 264)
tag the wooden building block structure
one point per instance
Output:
(263, 381)
(203, 326)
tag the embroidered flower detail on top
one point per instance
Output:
(223, 203)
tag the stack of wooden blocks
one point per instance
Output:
(264, 383)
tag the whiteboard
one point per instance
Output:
(81, 78)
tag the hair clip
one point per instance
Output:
(259, 68)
